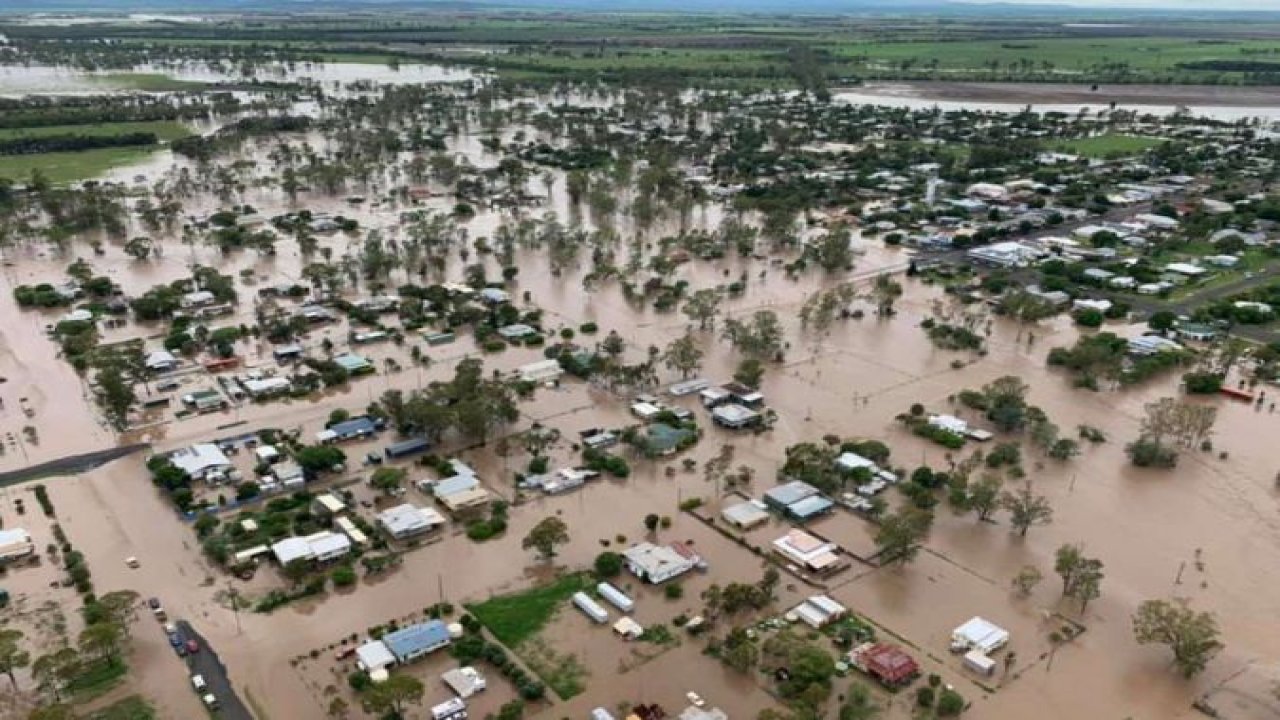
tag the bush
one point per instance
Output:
(588, 328)
(1145, 452)
(1088, 317)
(950, 703)
(674, 591)
(344, 576)
(1202, 383)
(359, 681)
(924, 697)
(608, 564)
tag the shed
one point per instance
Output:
(779, 497)
(979, 634)
(374, 655)
(590, 607)
(745, 515)
(628, 628)
(615, 597)
(405, 448)
(464, 681)
(809, 508)
(979, 662)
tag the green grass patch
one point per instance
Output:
(1107, 146)
(519, 616)
(163, 129)
(133, 707)
(564, 674)
(65, 167)
(97, 678)
(151, 82)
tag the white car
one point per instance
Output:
(210, 701)
(695, 699)
(197, 682)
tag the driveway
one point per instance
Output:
(206, 663)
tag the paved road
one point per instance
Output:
(206, 663)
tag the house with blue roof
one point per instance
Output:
(410, 643)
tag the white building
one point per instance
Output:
(405, 521)
(15, 543)
(660, 563)
(200, 460)
(979, 634)
(1005, 254)
(807, 551)
(324, 546)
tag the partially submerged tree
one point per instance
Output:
(901, 535)
(545, 536)
(1191, 635)
(1026, 509)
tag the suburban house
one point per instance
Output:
(200, 461)
(889, 664)
(406, 521)
(734, 416)
(746, 515)
(798, 500)
(354, 364)
(353, 429)
(659, 563)
(819, 611)
(161, 361)
(541, 371)
(324, 546)
(410, 643)
(809, 553)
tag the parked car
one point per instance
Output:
(175, 640)
(197, 682)
(193, 646)
(695, 699)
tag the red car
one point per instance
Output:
(193, 646)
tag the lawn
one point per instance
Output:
(163, 129)
(1107, 146)
(150, 82)
(96, 679)
(519, 616)
(65, 167)
(130, 708)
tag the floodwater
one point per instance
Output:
(1205, 531)
(19, 80)
(1211, 101)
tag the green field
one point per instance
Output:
(65, 167)
(130, 708)
(1107, 146)
(165, 130)
(150, 82)
(519, 616)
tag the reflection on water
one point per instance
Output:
(1219, 103)
(17, 80)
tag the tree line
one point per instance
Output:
(74, 142)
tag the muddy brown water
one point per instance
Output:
(852, 381)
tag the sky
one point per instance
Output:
(1260, 5)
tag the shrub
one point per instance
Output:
(608, 564)
(950, 703)
(674, 591)
(924, 697)
(344, 576)
(1202, 383)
